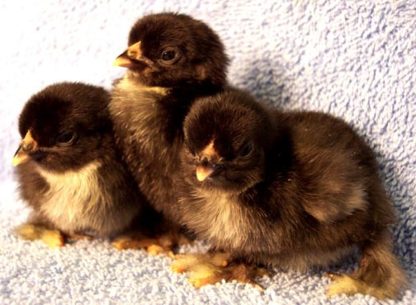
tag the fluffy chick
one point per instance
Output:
(68, 168)
(171, 59)
(287, 189)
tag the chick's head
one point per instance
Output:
(226, 139)
(169, 50)
(63, 126)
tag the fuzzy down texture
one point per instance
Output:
(354, 59)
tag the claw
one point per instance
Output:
(205, 274)
(132, 242)
(155, 249)
(123, 242)
(220, 259)
(332, 275)
(53, 238)
(184, 262)
(261, 272)
(77, 237)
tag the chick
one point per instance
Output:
(171, 59)
(69, 170)
(291, 190)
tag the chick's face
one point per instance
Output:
(60, 133)
(171, 50)
(224, 147)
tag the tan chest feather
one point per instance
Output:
(126, 84)
(224, 218)
(135, 108)
(72, 197)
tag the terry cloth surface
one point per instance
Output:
(354, 59)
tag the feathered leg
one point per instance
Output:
(379, 273)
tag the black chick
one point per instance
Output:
(171, 59)
(287, 189)
(68, 168)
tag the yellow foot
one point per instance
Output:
(77, 237)
(210, 268)
(247, 273)
(52, 238)
(204, 274)
(152, 245)
(155, 249)
(186, 262)
(160, 244)
(345, 284)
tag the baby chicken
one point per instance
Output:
(171, 59)
(287, 189)
(69, 170)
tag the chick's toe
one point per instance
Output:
(52, 238)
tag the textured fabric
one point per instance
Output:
(354, 59)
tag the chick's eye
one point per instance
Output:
(66, 138)
(246, 149)
(169, 55)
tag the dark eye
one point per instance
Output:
(169, 55)
(66, 138)
(246, 149)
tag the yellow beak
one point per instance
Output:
(133, 52)
(206, 170)
(28, 144)
(203, 172)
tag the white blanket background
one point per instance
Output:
(354, 59)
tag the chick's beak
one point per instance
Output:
(128, 58)
(203, 172)
(27, 145)
(122, 60)
(208, 165)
